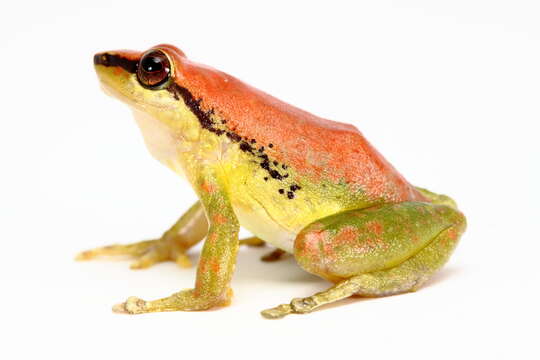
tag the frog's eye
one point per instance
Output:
(154, 69)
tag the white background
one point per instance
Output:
(448, 91)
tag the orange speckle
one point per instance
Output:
(346, 235)
(311, 242)
(212, 238)
(375, 227)
(209, 188)
(215, 266)
(219, 219)
(202, 265)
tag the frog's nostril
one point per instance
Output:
(101, 59)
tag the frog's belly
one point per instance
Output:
(260, 224)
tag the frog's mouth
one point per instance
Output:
(115, 75)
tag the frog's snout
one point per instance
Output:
(101, 59)
(127, 60)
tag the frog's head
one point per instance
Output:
(149, 83)
(140, 78)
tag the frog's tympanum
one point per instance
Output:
(311, 187)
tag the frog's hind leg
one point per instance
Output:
(374, 252)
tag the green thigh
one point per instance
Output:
(377, 239)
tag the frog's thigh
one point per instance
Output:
(374, 239)
(375, 252)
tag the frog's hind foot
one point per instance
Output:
(273, 256)
(252, 241)
(146, 253)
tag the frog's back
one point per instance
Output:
(317, 148)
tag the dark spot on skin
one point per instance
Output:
(294, 187)
(265, 165)
(244, 146)
(285, 176)
(253, 141)
(265, 178)
(261, 149)
(281, 191)
(276, 175)
(233, 136)
(284, 167)
(270, 145)
(290, 194)
(275, 163)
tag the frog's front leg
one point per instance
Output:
(191, 228)
(378, 251)
(218, 257)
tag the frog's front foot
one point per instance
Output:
(146, 253)
(185, 300)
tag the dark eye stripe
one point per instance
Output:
(116, 60)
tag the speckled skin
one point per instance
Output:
(309, 186)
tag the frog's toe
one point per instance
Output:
(146, 253)
(133, 305)
(160, 253)
(252, 242)
(182, 259)
(303, 305)
(274, 255)
(297, 306)
(277, 312)
(136, 249)
(152, 257)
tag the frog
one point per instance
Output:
(310, 187)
